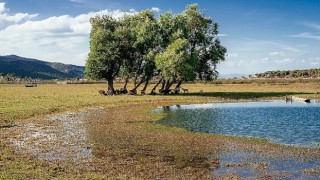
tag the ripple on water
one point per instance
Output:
(287, 123)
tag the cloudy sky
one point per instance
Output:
(260, 35)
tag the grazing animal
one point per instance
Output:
(176, 90)
(201, 92)
(123, 91)
(287, 98)
(102, 92)
(185, 90)
(132, 92)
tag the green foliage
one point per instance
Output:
(174, 63)
(185, 46)
(104, 59)
(203, 50)
(306, 73)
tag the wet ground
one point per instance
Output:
(59, 137)
(64, 137)
(252, 165)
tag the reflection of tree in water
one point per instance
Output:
(166, 108)
(169, 108)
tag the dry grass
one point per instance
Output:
(124, 145)
(19, 102)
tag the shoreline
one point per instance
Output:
(278, 103)
(124, 145)
(239, 149)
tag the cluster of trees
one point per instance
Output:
(307, 73)
(139, 47)
(10, 77)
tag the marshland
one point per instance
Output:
(71, 131)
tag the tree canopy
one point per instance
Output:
(175, 48)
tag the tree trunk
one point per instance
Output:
(135, 80)
(153, 91)
(179, 84)
(126, 83)
(110, 86)
(137, 73)
(168, 84)
(163, 86)
(145, 85)
(136, 86)
(200, 76)
(177, 88)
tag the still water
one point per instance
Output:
(293, 123)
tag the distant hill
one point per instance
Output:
(26, 67)
(223, 76)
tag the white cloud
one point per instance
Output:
(232, 55)
(222, 35)
(77, 1)
(312, 25)
(306, 35)
(155, 9)
(7, 19)
(276, 53)
(255, 43)
(58, 38)
(2, 7)
(285, 61)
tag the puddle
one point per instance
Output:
(7, 126)
(65, 138)
(249, 165)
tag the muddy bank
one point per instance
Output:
(121, 142)
(58, 137)
(133, 146)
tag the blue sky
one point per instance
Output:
(260, 35)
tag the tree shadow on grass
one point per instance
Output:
(242, 95)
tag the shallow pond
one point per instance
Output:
(293, 123)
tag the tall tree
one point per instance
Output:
(175, 47)
(204, 45)
(202, 51)
(175, 63)
(109, 47)
(145, 30)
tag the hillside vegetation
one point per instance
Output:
(307, 73)
(37, 69)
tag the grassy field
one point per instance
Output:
(124, 145)
(19, 102)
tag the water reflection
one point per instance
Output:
(289, 123)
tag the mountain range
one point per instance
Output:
(34, 68)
